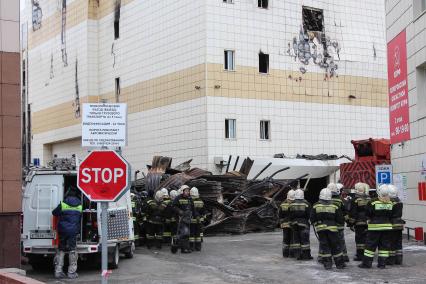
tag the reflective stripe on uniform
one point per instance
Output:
(324, 255)
(383, 253)
(368, 253)
(167, 234)
(379, 227)
(66, 207)
(338, 255)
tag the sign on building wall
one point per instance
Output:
(104, 125)
(400, 181)
(383, 174)
(398, 89)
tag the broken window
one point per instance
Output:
(313, 19)
(265, 129)
(117, 19)
(117, 89)
(228, 1)
(263, 62)
(262, 4)
(229, 60)
(230, 128)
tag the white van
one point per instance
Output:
(44, 190)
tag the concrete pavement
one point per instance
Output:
(250, 258)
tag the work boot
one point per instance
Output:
(306, 255)
(391, 260)
(72, 275)
(158, 244)
(328, 264)
(381, 262)
(291, 253)
(197, 246)
(320, 259)
(340, 262)
(59, 263)
(185, 250)
(346, 258)
(366, 263)
(286, 252)
(398, 260)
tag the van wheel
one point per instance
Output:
(115, 258)
(129, 252)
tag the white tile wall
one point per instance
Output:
(407, 158)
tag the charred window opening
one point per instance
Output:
(117, 19)
(263, 62)
(262, 4)
(37, 14)
(313, 19)
(117, 89)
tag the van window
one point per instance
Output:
(43, 197)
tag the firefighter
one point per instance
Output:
(379, 235)
(397, 227)
(197, 220)
(172, 216)
(166, 204)
(326, 216)
(336, 200)
(155, 221)
(358, 217)
(299, 220)
(183, 207)
(69, 220)
(285, 222)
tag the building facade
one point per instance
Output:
(409, 157)
(205, 79)
(10, 133)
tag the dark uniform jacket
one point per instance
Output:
(326, 216)
(69, 213)
(284, 214)
(397, 221)
(358, 213)
(299, 213)
(199, 211)
(379, 215)
(183, 206)
(336, 200)
(154, 211)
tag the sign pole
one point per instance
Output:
(104, 225)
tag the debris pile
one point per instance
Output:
(235, 204)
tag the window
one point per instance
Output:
(117, 89)
(228, 1)
(263, 62)
(419, 6)
(262, 4)
(313, 19)
(229, 60)
(230, 128)
(265, 129)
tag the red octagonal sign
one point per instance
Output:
(103, 176)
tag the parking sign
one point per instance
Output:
(383, 174)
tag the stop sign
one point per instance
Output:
(103, 176)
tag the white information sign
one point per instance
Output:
(400, 181)
(423, 167)
(104, 125)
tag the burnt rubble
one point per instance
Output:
(234, 203)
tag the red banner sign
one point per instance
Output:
(398, 89)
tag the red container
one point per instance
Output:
(422, 191)
(418, 234)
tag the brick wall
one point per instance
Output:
(10, 131)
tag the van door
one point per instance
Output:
(42, 195)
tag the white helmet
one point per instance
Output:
(333, 188)
(182, 188)
(165, 192)
(173, 194)
(339, 186)
(366, 189)
(383, 190)
(359, 188)
(299, 194)
(291, 194)
(159, 196)
(325, 194)
(393, 191)
(194, 192)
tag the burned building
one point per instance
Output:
(205, 79)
